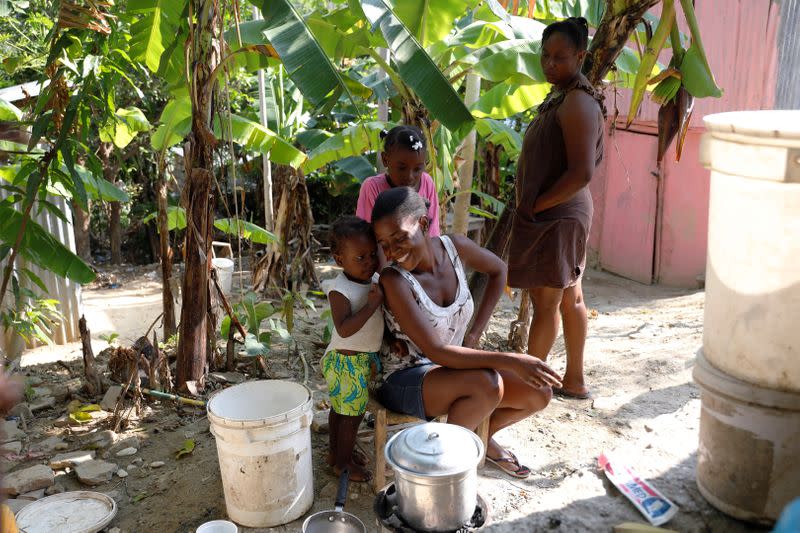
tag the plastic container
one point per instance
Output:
(263, 435)
(752, 273)
(218, 526)
(224, 268)
(747, 462)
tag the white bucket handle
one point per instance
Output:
(220, 244)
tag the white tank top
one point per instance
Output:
(450, 323)
(370, 336)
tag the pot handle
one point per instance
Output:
(341, 493)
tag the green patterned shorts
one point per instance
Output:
(348, 378)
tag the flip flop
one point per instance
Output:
(564, 393)
(510, 465)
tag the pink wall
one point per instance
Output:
(655, 229)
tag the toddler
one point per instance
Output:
(351, 359)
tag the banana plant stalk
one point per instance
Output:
(650, 57)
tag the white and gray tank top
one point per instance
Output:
(450, 322)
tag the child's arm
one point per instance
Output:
(348, 323)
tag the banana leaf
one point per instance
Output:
(254, 136)
(247, 230)
(303, 57)
(416, 67)
(176, 122)
(697, 78)
(498, 132)
(429, 21)
(153, 32)
(351, 141)
(9, 112)
(42, 248)
(507, 99)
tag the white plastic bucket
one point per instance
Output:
(263, 435)
(224, 268)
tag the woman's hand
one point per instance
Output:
(471, 340)
(534, 371)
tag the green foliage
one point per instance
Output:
(30, 315)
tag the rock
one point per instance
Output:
(157, 464)
(115, 530)
(648, 428)
(320, 422)
(11, 447)
(28, 479)
(102, 439)
(47, 445)
(95, 472)
(9, 431)
(55, 489)
(17, 505)
(227, 377)
(64, 460)
(23, 410)
(126, 452)
(127, 442)
(138, 461)
(109, 402)
(61, 446)
(32, 495)
(45, 402)
(122, 473)
(607, 404)
(132, 467)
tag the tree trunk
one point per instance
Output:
(167, 298)
(82, 220)
(114, 230)
(288, 263)
(619, 21)
(93, 384)
(465, 173)
(198, 199)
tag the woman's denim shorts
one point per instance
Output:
(401, 390)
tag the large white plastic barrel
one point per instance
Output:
(749, 368)
(263, 436)
(753, 270)
(224, 268)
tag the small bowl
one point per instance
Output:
(218, 526)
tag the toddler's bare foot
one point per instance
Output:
(358, 473)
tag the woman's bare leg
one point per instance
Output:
(544, 328)
(466, 396)
(576, 323)
(520, 401)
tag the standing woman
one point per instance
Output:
(561, 149)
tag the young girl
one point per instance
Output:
(351, 359)
(404, 157)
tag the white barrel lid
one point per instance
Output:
(774, 123)
(80, 511)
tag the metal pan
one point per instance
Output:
(336, 521)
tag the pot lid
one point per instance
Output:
(434, 449)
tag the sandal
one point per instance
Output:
(357, 474)
(510, 465)
(564, 393)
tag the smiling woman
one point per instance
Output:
(436, 368)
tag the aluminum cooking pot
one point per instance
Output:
(436, 474)
(336, 521)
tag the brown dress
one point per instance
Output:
(549, 249)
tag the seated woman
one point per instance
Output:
(429, 308)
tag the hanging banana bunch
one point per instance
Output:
(687, 77)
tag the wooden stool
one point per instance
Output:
(386, 421)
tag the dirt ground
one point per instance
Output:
(639, 357)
